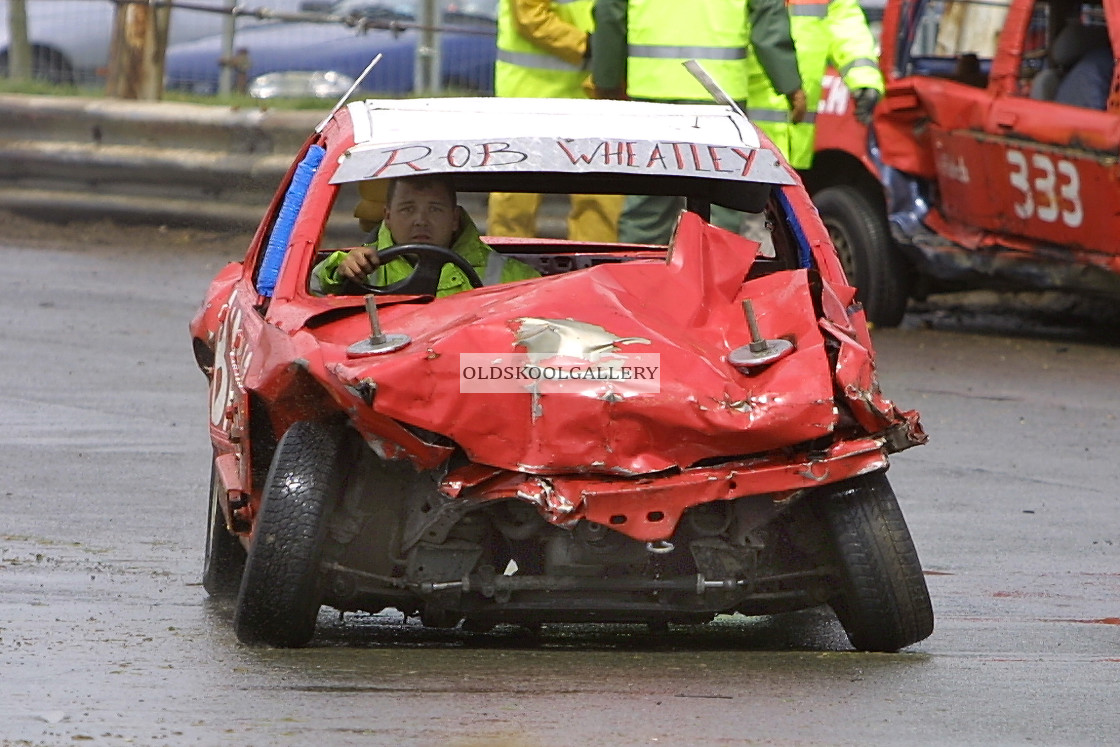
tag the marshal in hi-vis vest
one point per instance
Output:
(525, 70)
(823, 31)
(662, 34)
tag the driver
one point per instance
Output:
(420, 210)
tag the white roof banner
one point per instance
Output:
(734, 161)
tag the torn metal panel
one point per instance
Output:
(1011, 174)
(650, 508)
(789, 402)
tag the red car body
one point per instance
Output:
(978, 175)
(718, 490)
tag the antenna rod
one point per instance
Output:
(345, 96)
(714, 89)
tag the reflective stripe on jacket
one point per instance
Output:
(823, 32)
(662, 34)
(550, 64)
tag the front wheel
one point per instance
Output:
(882, 600)
(863, 242)
(281, 589)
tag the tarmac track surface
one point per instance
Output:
(106, 636)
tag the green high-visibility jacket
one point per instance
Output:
(824, 31)
(491, 266)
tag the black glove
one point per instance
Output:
(866, 99)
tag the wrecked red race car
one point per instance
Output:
(993, 158)
(641, 434)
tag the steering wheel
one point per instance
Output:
(424, 278)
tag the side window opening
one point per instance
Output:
(1074, 64)
(955, 39)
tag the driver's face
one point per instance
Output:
(422, 215)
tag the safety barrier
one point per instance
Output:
(166, 163)
(161, 163)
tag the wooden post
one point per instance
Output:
(19, 50)
(139, 47)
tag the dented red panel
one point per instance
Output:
(650, 509)
(714, 392)
(705, 407)
(1020, 169)
(575, 451)
(237, 330)
(990, 174)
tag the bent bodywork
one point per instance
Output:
(991, 163)
(718, 407)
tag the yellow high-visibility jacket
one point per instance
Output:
(542, 48)
(824, 31)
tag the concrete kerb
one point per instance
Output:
(164, 163)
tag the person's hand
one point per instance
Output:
(359, 263)
(593, 91)
(866, 99)
(798, 105)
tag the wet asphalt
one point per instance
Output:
(107, 637)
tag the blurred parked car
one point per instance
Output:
(310, 52)
(70, 39)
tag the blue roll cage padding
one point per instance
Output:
(286, 220)
(804, 256)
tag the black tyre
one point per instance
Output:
(883, 602)
(862, 239)
(46, 65)
(224, 561)
(52, 67)
(281, 589)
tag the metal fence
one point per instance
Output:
(277, 48)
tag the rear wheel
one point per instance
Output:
(281, 589)
(882, 602)
(862, 239)
(224, 561)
